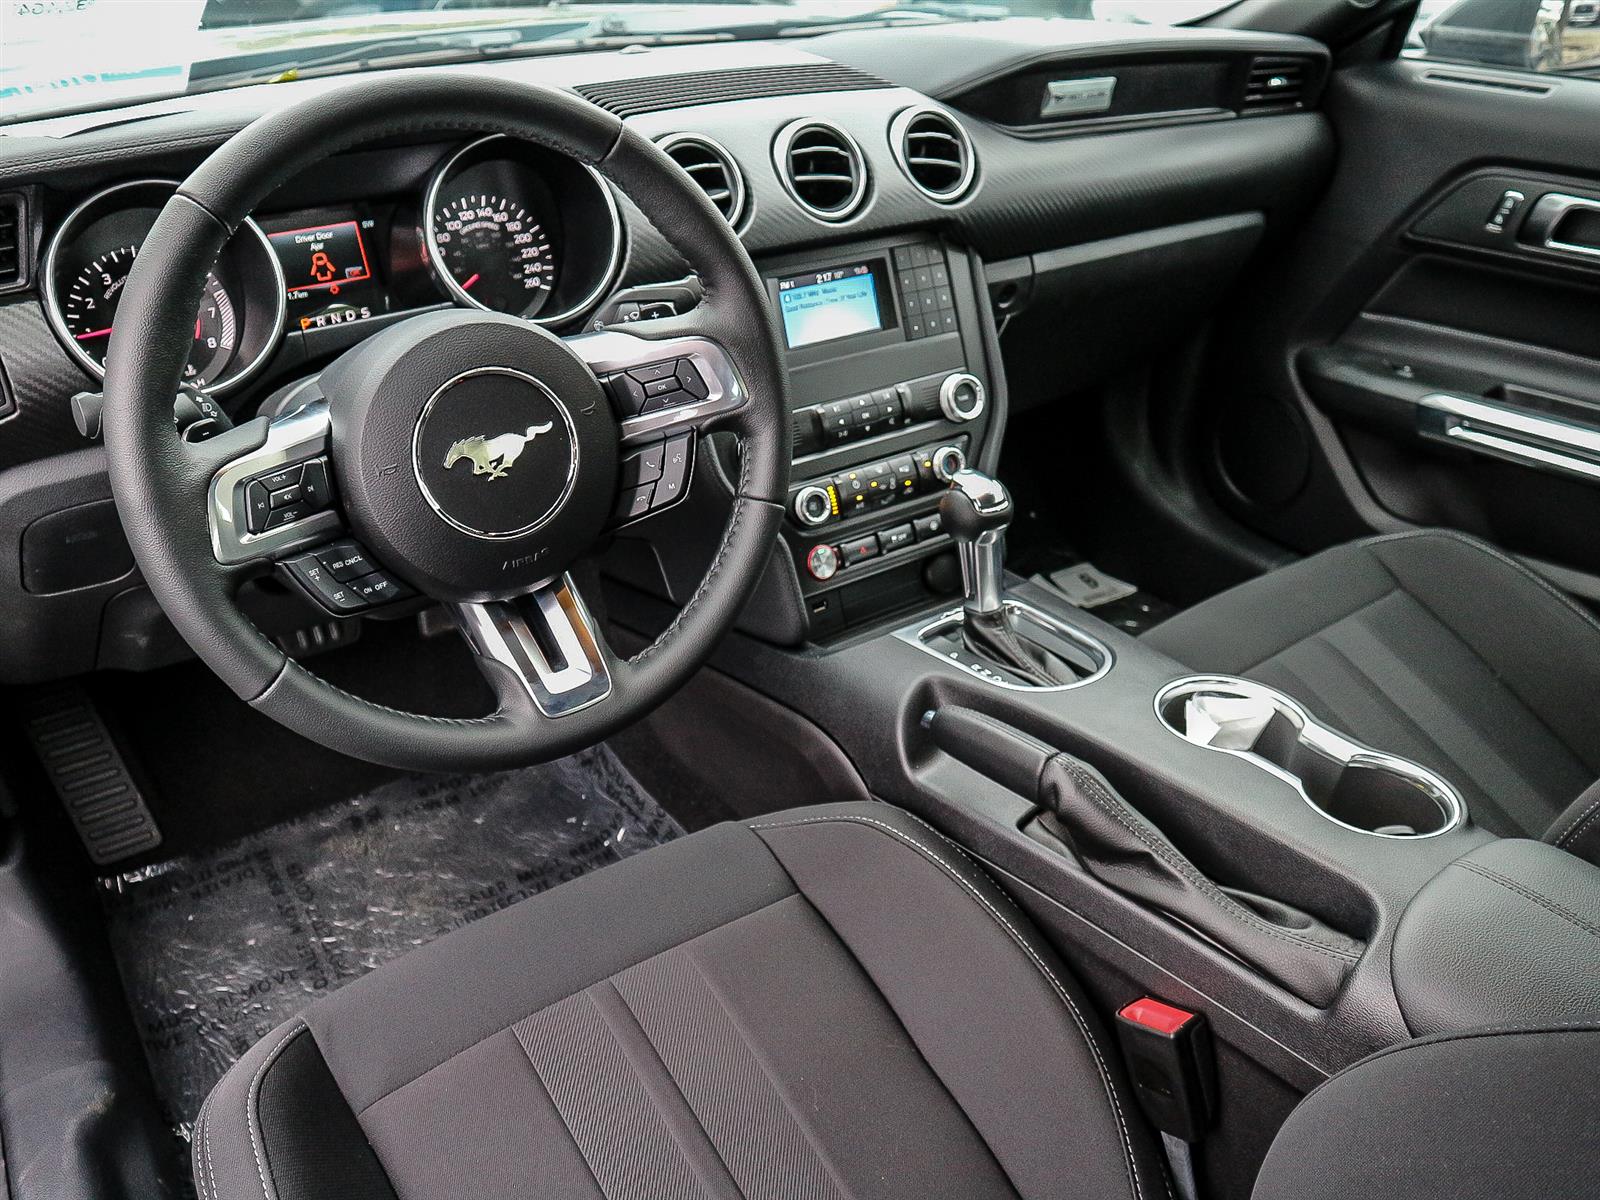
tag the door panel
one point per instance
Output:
(1435, 332)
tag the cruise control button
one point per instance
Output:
(859, 550)
(338, 596)
(345, 561)
(895, 538)
(380, 588)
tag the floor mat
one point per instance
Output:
(217, 949)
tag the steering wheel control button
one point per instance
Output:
(690, 380)
(380, 588)
(627, 394)
(284, 497)
(257, 506)
(823, 563)
(674, 470)
(635, 502)
(315, 486)
(495, 452)
(643, 467)
(345, 561)
(318, 582)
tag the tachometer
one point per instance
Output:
(240, 318)
(89, 309)
(496, 252)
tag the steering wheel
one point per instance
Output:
(495, 543)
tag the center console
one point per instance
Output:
(892, 394)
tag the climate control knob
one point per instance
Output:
(813, 506)
(947, 460)
(962, 397)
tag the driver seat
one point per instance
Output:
(834, 1002)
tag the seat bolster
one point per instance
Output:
(1474, 1116)
(277, 1127)
(984, 997)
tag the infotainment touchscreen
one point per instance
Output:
(822, 306)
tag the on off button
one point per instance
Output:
(823, 562)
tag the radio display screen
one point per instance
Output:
(823, 306)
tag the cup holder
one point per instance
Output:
(1348, 783)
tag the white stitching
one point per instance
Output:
(1039, 964)
(211, 1166)
(252, 1103)
(1571, 832)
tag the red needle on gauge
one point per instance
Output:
(468, 284)
(94, 333)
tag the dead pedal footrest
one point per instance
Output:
(91, 777)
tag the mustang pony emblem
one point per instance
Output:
(493, 456)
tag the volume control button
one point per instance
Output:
(813, 506)
(962, 397)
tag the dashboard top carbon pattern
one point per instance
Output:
(635, 97)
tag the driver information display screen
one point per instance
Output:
(824, 305)
(328, 272)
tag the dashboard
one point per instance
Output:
(905, 194)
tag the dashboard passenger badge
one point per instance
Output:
(1078, 97)
(493, 456)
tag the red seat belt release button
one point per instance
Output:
(1170, 1061)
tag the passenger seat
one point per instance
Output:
(1437, 647)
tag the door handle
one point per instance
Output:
(1544, 224)
(1522, 437)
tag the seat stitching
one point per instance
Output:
(1232, 907)
(252, 1104)
(1544, 902)
(1039, 964)
(1570, 833)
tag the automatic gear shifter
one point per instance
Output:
(976, 511)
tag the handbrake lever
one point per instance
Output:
(1121, 848)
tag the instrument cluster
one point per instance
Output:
(500, 225)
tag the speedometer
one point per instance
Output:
(513, 227)
(495, 252)
(89, 309)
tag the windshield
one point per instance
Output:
(72, 55)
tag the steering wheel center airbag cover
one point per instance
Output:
(475, 453)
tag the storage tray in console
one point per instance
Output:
(1350, 784)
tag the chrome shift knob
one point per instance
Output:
(975, 512)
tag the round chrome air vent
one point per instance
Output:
(713, 170)
(822, 167)
(934, 151)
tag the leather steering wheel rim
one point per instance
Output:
(160, 482)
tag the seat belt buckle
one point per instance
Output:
(1172, 1065)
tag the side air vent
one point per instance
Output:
(712, 168)
(12, 235)
(822, 167)
(1275, 84)
(934, 151)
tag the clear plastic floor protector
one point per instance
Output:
(216, 951)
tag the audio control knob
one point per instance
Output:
(947, 460)
(962, 397)
(813, 506)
